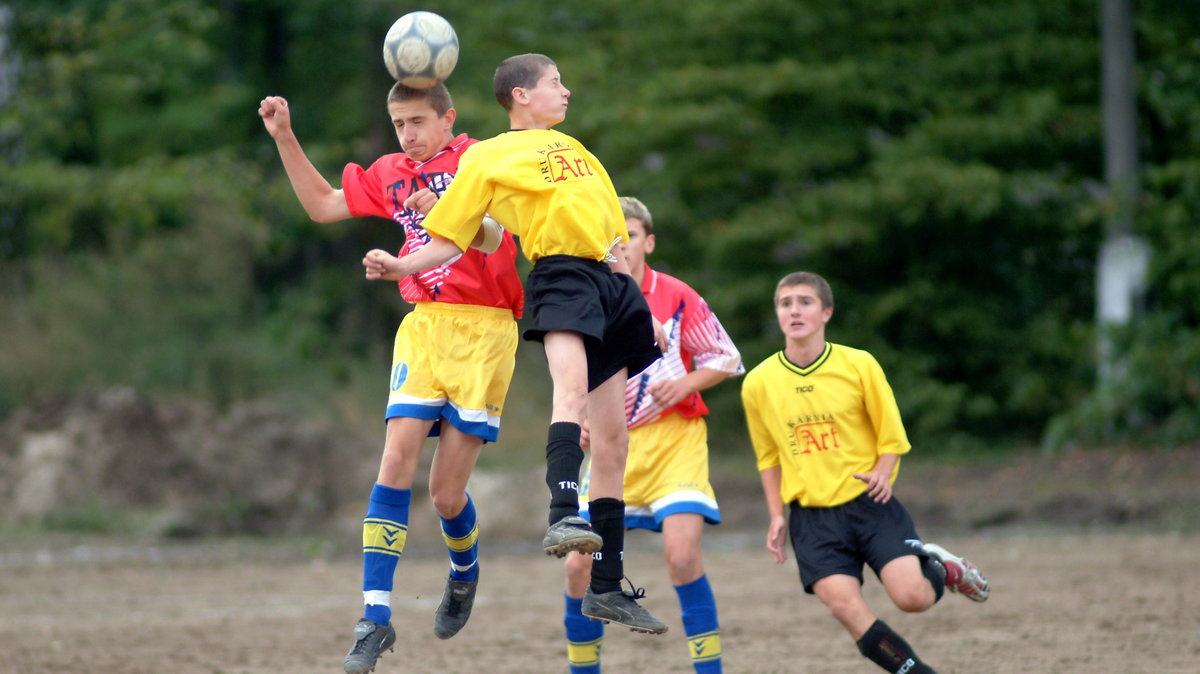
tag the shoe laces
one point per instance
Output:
(634, 592)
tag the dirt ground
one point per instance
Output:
(1097, 603)
(1092, 557)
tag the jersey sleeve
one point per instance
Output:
(882, 409)
(706, 339)
(617, 215)
(364, 192)
(766, 450)
(458, 214)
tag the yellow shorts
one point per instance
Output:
(666, 473)
(453, 362)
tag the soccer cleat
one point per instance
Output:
(455, 608)
(621, 607)
(370, 641)
(961, 576)
(571, 533)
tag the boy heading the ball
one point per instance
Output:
(585, 308)
(828, 438)
(467, 303)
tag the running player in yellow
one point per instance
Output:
(828, 437)
(466, 306)
(585, 308)
(666, 475)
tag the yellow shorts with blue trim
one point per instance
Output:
(666, 473)
(453, 362)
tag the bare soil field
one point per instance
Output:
(1096, 603)
(196, 564)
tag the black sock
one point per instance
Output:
(888, 650)
(935, 571)
(608, 520)
(563, 459)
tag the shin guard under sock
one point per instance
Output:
(608, 567)
(698, 608)
(888, 650)
(563, 459)
(385, 530)
(461, 534)
(584, 638)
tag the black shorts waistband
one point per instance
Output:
(570, 260)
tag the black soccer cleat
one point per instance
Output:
(370, 641)
(621, 607)
(455, 609)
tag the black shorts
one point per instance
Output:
(564, 292)
(839, 540)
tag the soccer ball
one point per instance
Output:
(420, 50)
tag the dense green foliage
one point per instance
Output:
(940, 162)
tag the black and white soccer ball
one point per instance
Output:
(420, 50)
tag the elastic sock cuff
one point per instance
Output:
(391, 495)
(604, 509)
(564, 430)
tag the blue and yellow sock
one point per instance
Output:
(385, 529)
(584, 638)
(461, 534)
(699, 609)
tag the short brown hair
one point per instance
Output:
(807, 278)
(631, 207)
(523, 70)
(437, 95)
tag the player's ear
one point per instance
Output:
(450, 116)
(519, 95)
(649, 244)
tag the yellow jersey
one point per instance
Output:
(822, 422)
(543, 186)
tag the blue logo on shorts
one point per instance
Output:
(399, 374)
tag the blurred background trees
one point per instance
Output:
(940, 163)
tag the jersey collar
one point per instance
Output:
(806, 370)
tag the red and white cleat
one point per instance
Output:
(961, 576)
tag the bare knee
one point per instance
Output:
(913, 599)
(448, 504)
(579, 573)
(683, 566)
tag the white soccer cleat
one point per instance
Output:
(962, 576)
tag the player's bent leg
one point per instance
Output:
(842, 594)
(907, 585)
(961, 576)
(452, 465)
(451, 468)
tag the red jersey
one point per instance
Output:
(695, 338)
(473, 277)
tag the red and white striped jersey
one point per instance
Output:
(695, 339)
(474, 277)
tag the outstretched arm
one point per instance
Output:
(382, 265)
(320, 200)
